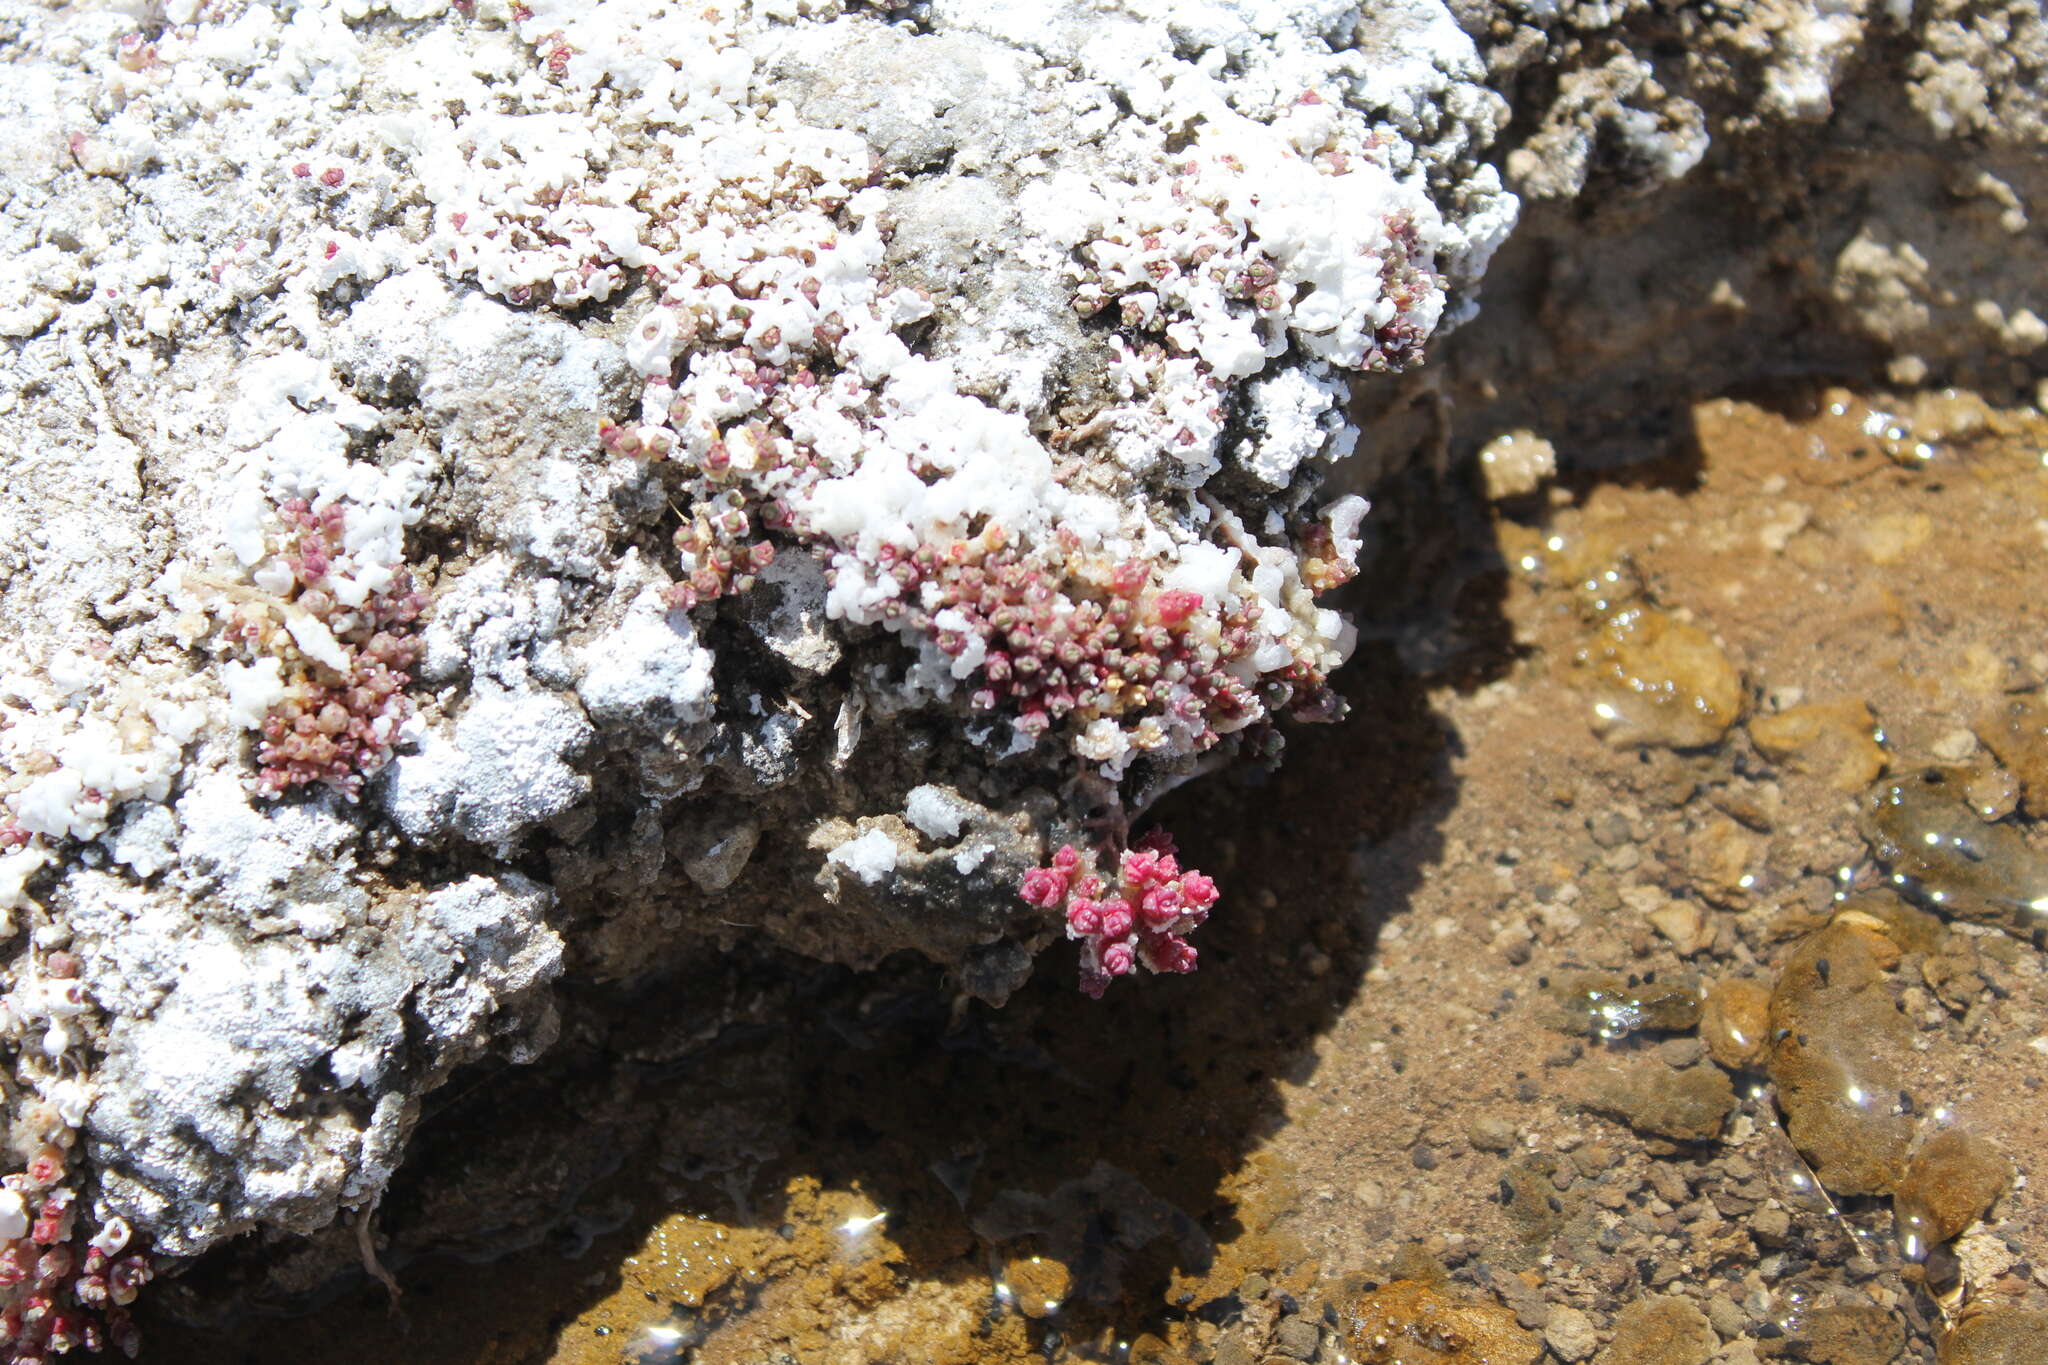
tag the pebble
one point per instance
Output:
(1914, 930)
(1925, 833)
(1993, 792)
(1839, 1059)
(1613, 1005)
(1040, 1284)
(1516, 463)
(1727, 1317)
(1955, 746)
(1570, 1334)
(1771, 1227)
(1657, 680)
(1408, 1321)
(1492, 1134)
(1651, 1098)
(1722, 858)
(1834, 741)
(1661, 1331)
(1149, 1349)
(1679, 1053)
(2016, 730)
(1998, 1336)
(1683, 925)
(1297, 1338)
(1735, 1023)
(1952, 1180)
(1610, 829)
(1596, 1157)
(1850, 1334)
(1892, 537)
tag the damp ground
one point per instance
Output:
(1441, 1090)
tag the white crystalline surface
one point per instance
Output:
(738, 384)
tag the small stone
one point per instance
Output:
(1685, 1106)
(1491, 1134)
(1850, 1334)
(1952, 1180)
(1735, 1023)
(1039, 1283)
(1683, 925)
(1839, 1058)
(1413, 1323)
(1921, 828)
(1956, 746)
(1998, 1336)
(1150, 1349)
(1423, 1157)
(1527, 1192)
(1679, 1053)
(1771, 1227)
(1993, 792)
(1722, 859)
(1613, 1005)
(1610, 829)
(1910, 928)
(2016, 730)
(1657, 680)
(1661, 1331)
(1892, 537)
(1727, 1317)
(1297, 1338)
(1516, 463)
(1596, 1157)
(1834, 741)
(1570, 1334)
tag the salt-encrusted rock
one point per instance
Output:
(1703, 204)
(246, 1080)
(775, 471)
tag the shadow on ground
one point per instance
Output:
(712, 1091)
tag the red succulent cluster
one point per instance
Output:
(61, 1291)
(337, 726)
(1086, 640)
(1142, 918)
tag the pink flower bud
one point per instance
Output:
(1044, 887)
(1066, 860)
(1198, 891)
(1176, 605)
(1160, 906)
(1117, 959)
(1116, 918)
(1140, 866)
(1084, 918)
